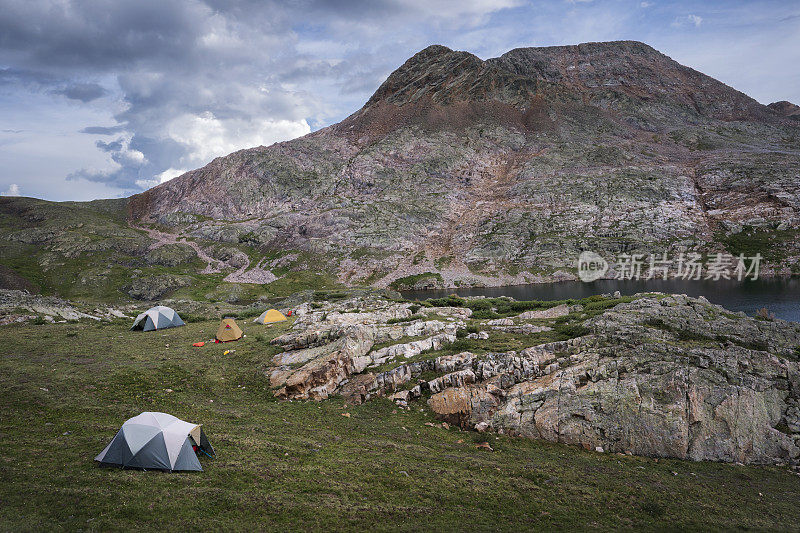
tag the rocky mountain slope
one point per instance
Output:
(456, 172)
(786, 108)
(499, 171)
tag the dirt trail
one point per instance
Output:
(257, 274)
(243, 274)
(213, 265)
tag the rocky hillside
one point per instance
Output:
(91, 251)
(462, 171)
(456, 172)
(654, 374)
(786, 108)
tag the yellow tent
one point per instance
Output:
(228, 331)
(268, 317)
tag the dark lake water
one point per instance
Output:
(780, 296)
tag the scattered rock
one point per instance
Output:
(553, 312)
(500, 322)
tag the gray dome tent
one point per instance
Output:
(156, 441)
(158, 317)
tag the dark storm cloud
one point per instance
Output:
(85, 92)
(97, 34)
(36, 80)
(197, 78)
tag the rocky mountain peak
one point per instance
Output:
(588, 64)
(429, 72)
(786, 109)
(605, 73)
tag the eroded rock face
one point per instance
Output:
(319, 377)
(662, 377)
(785, 108)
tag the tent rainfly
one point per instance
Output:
(158, 317)
(156, 441)
(268, 317)
(228, 330)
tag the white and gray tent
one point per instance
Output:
(158, 317)
(156, 441)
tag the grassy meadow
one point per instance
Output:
(67, 388)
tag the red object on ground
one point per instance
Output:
(289, 313)
(217, 341)
(199, 344)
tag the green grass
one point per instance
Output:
(408, 282)
(486, 308)
(67, 388)
(774, 245)
(407, 319)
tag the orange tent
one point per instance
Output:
(228, 330)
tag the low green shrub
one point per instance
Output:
(404, 319)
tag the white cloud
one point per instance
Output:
(13, 190)
(645, 5)
(171, 173)
(205, 136)
(164, 177)
(696, 20)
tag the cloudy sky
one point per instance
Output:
(104, 98)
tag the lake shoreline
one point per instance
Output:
(780, 295)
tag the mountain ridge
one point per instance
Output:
(602, 107)
(460, 171)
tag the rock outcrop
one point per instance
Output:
(553, 312)
(21, 306)
(319, 377)
(326, 347)
(659, 376)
